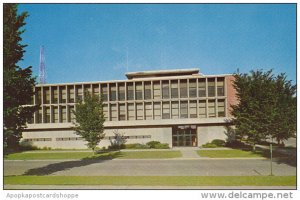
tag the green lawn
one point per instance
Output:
(231, 153)
(149, 154)
(46, 155)
(154, 180)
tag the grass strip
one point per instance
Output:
(150, 154)
(89, 155)
(234, 153)
(154, 180)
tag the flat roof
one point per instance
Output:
(134, 80)
(160, 73)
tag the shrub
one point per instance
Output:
(136, 146)
(27, 146)
(236, 144)
(209, 145)
(117, 146)
(218, 142)
(161, 146)
(118, 142)
(46, 148)
(152, 144)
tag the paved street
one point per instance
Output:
(166, 167)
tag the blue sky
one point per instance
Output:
(91, 42)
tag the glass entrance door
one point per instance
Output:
(184, 136)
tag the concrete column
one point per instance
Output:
(82, 92)
(206, 91)
(143, 90)
(34, 103)
(152, 90)
(134, 91)
(225, 93)
(170, 90)
(126, 96)
(68, 117)
(197, 97)
(117, 92)
(188, 95)
(59, 114)
(42, 103)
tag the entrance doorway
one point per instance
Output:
(184, 136)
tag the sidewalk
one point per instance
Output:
(133, 187)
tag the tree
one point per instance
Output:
(285, 119)
(90, 120)
(18, 83)
(264, 101)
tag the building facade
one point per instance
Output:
(178, 107)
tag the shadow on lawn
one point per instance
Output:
(280, 155)
(61, 166)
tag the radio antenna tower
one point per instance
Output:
(42, 66)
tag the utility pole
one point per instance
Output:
(271, 158)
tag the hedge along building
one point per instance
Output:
(178, 107)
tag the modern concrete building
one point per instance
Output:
(178, 107)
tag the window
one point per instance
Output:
(183, 109)
(193, 109)
(174, 89)
(201, 88)
(139, 111)
(221, 108)
(148, 110)
(113, 92)
(104, 92)
(211, 87)
(105, 111)
(62, 94)
(183, 89)
(54, 95)
(39, 117)
(202, 109)
(175, 112)
(165, 89)
(38, 96)
(138, 91)
(55, 114)
(157, 110)
(156, 90)
(113, 112)
(130, 110)
(130, 91)
(47, 114)
(220, 86)
(71, 94)
(71, 116)
(121, 94)
(147, 91)
(96, 90)
(211, 108)
(192, 88)
(79, 93)
(122, 114)
(46, 96)
(87, 88)
(166, 110)
(63, 114)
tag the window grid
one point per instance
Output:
(202, 91)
